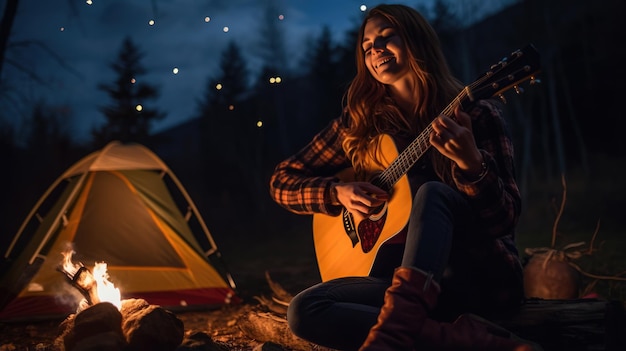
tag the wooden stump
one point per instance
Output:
(573, 325)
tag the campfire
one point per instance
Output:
(95, 287)
(103, 319)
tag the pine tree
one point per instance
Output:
(326, 79)
(127, 119)
(269, 98)
(271, 39)
(225, 120)
(232, 143)
(229, 87)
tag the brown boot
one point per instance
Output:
(470, 332)
(408, 300)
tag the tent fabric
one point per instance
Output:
(115, 208)
(116, 156)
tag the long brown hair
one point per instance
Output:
(370, 107)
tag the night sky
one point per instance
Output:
(69, 45)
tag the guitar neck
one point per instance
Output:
(418, 147)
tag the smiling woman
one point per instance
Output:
(403, 255)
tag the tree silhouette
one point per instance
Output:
(271, 50)
(48, 138)
(6, 24)
(127, 119)
(232, 143)
(325, 80)
(223, 117)
(271, 41)
(447, 26)
(221, 111)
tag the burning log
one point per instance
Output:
(84, 282)
(95, 287)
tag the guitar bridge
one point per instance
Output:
(348, 226)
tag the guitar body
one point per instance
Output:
(341, 252)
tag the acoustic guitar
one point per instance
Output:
(347, 245)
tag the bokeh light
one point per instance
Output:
(275, 80)
(175, 70)
(138, 107)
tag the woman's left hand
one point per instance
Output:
(455, 140)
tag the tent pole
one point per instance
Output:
(195, 211)
(205, 229)
(58, 217)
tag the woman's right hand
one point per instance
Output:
(360, 198)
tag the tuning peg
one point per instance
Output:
(502, 98)
(518, 89)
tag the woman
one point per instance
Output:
(457, 253)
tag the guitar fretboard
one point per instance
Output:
(417, 148)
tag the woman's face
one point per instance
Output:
(385, 55)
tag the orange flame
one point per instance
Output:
(107, 292)
(68, 266)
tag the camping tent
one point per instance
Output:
(123, 206)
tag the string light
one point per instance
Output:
(259, 123)
(138, 107)
(175, 70)
(151, 22)
(281, 17)
(363, 8)
(218, 86)
(207, 19)
(226, 29)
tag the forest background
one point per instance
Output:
(570, 126)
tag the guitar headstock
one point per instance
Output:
(520, 66)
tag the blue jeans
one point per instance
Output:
(339, 313)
